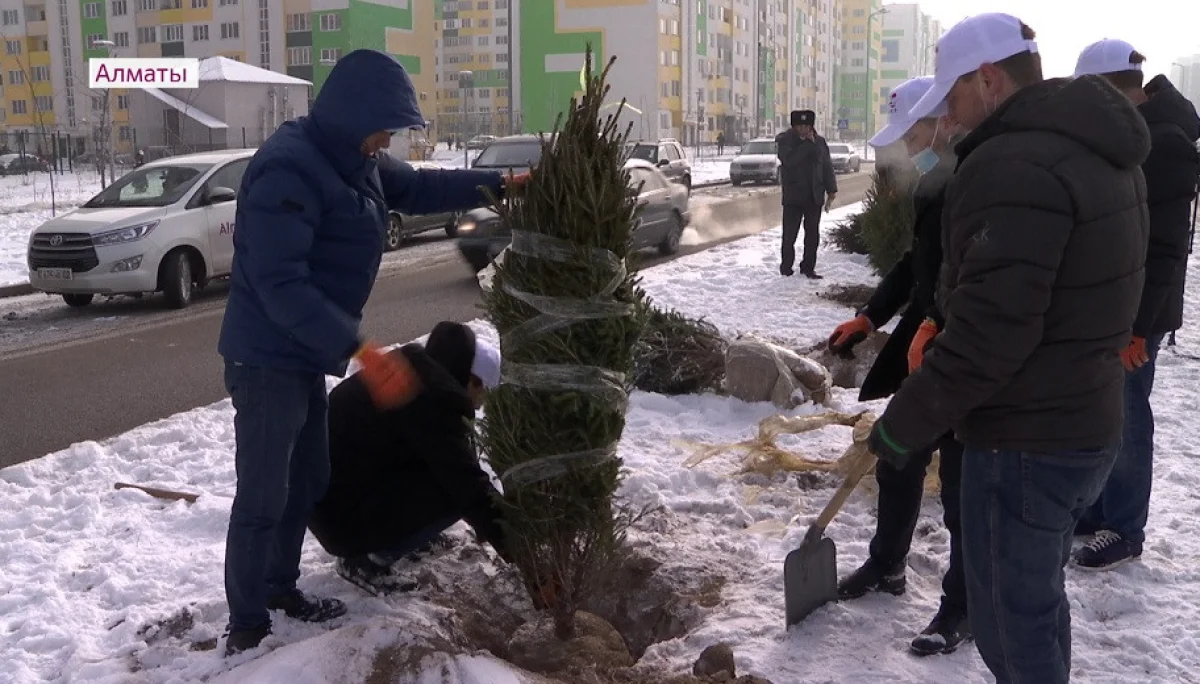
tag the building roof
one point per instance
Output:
(203, 118)
(225, 69)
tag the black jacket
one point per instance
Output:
(805, 169)
(1172, 171)
(1044, 244)
(913, 280)
(393, 473)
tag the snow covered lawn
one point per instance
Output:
(25, 204)
(83, 567)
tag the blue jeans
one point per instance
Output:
(282, 463)
(1124, 505)
(1019, 512)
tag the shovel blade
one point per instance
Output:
(809, 578)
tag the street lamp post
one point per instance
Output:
(869, 100)
(464, 83)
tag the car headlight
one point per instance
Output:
(466, 226)
(123, 235)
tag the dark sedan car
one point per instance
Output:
(402, 227)
(663, 214)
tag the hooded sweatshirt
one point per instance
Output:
(1172, 172)
(1044, 243)
(312, 215)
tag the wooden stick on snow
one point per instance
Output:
(157, 493)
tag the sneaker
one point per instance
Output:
(371, 577)
(945, 633)
(239, 640)
(297, 606)
(1106, 551)
(873, 576)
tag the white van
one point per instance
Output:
(164, 227)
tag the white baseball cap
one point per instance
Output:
(971, 43)
(486, 364)
(900, 103)
(1107, 56)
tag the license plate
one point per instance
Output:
(54, 274)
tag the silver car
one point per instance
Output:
(757, 161)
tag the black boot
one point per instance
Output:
(297, 606)
(873, 576)
(239, 640)
(945, 633)
(812, 275)
(786, 270)
(371, 577)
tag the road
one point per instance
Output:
(76, 375)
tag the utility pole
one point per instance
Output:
(869, 95)
(512, 53)
(464, 84)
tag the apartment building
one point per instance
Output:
(907, 47)
(860, 95)
(47, 42)
(1185, 74)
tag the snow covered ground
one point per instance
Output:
(25, 204)
(83, 567)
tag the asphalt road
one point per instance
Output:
(71, 376)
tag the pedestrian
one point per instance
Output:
(402, 476)
(720, 143)
(808, 184)
(311, 216)
(1118, 518)
(913, 280)
(1044, 242)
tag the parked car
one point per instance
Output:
(166, 226)
(402, 227)
(480, 141)
(516, 152)
(844, 157)
(16, 164)
(663, 214)
(757, 161)
(667, 154)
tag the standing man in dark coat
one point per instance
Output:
(399, 477)
(1044, 243)
(809, 184)
(912, 281)
(1172, 170)
(311, 218)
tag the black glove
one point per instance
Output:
(886, 448)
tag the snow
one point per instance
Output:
(225, 69)
(25, 204)
(83, 567)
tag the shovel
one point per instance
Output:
(810, 571)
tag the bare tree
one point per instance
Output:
(41, 126)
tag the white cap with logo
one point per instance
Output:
(1107, 56)
(486, 364)
(900, 104)
(971, 43)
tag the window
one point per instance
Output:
(44, 103)
(199, 32)
(93, 38)
(12, 47)
(147, 35)
(331, 22)
(199, 4)
(121, 39)
(170, 4)
(662, 25)
(229, 177)
(501, 22)
(223, 3)
(147, 5)
(40, 73)
(230, 30)
(124, 133)
(12, 17)
(19, 107)
(501, 40)
(91, 10)
(298, 22)
(891, 50)
(299, 56)
(482, 41)
(16, 77)
(330, 54)
(120, 8)
(122, 102)
(172, 33)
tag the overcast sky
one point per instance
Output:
(1163, 30)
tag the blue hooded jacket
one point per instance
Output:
(312, 215)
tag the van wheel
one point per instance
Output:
(395, 233)
(78, 300)
(176, 279)
(670, 243)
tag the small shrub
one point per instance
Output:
(678, 355)
(883, 229)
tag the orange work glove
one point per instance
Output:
(1134, 356)
(390, 379)
(850, 333)
(921, 342)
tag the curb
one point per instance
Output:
(18, 290)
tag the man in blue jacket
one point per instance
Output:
(311, 217)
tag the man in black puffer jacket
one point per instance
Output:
(1172, 170)
(400, 477)
(1045, 232)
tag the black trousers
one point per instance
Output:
(900, 493)
(793, 216)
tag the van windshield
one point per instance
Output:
(150, 186)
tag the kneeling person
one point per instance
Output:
(400, 477)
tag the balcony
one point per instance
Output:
(37, 28)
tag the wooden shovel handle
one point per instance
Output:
(860, 465)
(157, 493)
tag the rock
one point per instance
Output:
(814, 377)
(715, 660)
(756, 370)
(596, 643)
(849, 373)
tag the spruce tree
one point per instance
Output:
(569, 312)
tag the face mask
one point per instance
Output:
(926, 160)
